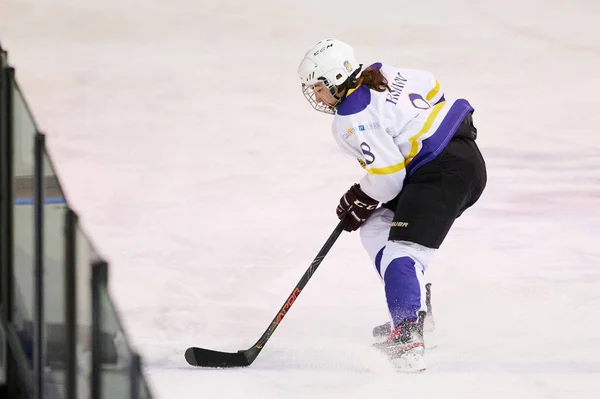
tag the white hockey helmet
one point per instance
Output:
(330, 62)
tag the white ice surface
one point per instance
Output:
(183, 140)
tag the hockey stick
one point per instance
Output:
(209, 358)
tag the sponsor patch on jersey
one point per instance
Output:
(368, 126)
(348, 132)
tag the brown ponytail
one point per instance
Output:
(374, 80)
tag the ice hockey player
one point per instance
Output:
(422, 166)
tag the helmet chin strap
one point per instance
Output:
(350, 83)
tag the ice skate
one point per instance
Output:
(382, 332)
(405, 346)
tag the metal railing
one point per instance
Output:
(60, 333)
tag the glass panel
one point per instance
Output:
(85, 256)
(3, 62)
(145, 392)
(3, 58)
(2, 356)
(116, 355)
(24, 129)
(23, 233)
(23, 222)
(55, 210)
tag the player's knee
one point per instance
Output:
(374, 232)
(421, 254)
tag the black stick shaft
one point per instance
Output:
(297, 290)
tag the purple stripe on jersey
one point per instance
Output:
(402, 290)
(357, 101)
(433, 145)
(442, 98)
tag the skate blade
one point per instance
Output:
(409, 363)
(379, 342)
(429, 325)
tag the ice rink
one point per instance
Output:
(182, 138)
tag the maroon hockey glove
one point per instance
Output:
(358, 205)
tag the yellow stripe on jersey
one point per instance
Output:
(433, 91)
(386, 170)
(350, 91)
(414, 148)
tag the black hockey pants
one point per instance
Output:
(440, 191)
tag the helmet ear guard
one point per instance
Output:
(350, 83)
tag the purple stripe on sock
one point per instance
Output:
(402, 290)
(378, 260)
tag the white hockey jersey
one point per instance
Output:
(393, 133)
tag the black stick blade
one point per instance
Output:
(208, 358)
